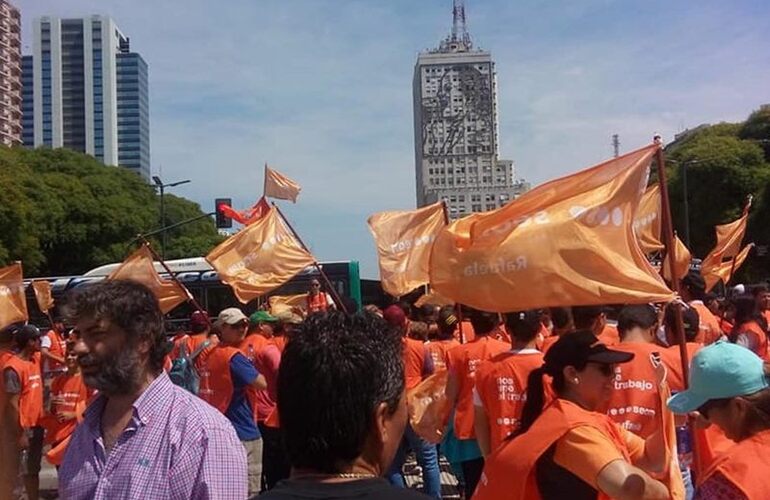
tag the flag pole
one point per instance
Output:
(328, 283)
(155, 255)
(746, 209)
(668, 242)
(264, 182)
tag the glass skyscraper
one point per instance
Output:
(89, 92)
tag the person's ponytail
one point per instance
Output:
(533, 407)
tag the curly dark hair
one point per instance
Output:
(128, 305)
(334, 373)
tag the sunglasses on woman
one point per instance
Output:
(709, 405)
(605, 369)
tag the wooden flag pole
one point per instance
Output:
(332, 290)
(264, 182)
(458, 306)
(155, 255)
(668, 242)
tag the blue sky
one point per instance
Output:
(321, 90)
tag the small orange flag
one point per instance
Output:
(139, 267)
(13, 302)
(259, 258)
(729, 239)
(279, 186)
(429, 407)
(43, 295)
(682, 259)
(725, 270)
(404, 240)
(567, 242)
(647, 221)
(280, 303)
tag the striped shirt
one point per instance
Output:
(175, 447)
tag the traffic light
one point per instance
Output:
(223, 221)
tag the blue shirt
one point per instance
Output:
(240, 411)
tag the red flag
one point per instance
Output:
(248, 216)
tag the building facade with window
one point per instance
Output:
(10, 74)
(456, 130)
(83, 77)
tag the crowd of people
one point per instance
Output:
(565, 402)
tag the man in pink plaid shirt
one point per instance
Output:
(143, 437)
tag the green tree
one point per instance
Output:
(62, 212)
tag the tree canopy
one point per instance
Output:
(63, 212)
(725, 163)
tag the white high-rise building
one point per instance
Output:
(89, 92)
(456, 129)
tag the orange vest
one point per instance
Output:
(501, 383)
(439, 351)
(68, 394)
(31, 396)
(280, 342)
(414, 360)
(634, 402)
(317, 303)
(746, 466)
(4, 357)
(217, 385)
(463, 361)
(465, 332)
(510, 471)
(709, 330)
(753, 329)
(548, 342)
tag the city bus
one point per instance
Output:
(204, 284)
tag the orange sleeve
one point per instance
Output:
(634, 443)
(585, 451)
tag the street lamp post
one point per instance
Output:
(162, 189)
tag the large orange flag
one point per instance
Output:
(43, 295)
(567, 242)
(279, 186)
(139, 267)
(725, 270)
(404, 240)
(647, 222)
(682, 260)
(260, 258)
(13, 302)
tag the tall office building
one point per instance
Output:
(10, 74)
(27, 102)
(90, 91)
(455, 127)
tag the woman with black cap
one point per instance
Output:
(568, 449)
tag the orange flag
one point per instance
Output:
(567, 242)
(139, 267)
(260, 258)
(13, 302)
(404, 240)
(279, 186)
(729, 239)
(647, 222)
(429, 407)
(433, 298)
(682, 259)
(287, 302)
(725, 270)
(43, 295)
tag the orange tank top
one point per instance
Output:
(217, 386)
(31, 396)
(510, 471)
(501, 383)
(746, 466)
(463, 362)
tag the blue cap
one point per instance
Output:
(721, 370)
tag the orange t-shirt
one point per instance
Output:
(465, 332)
(439, 351)
(709, 330)
(463, 361)
(68, 394)
(635, 399)
(501, 384)
(753, 329)
(262, 402)
(58, 348)
(280, 342)
(673, 361)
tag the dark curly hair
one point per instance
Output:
(334, 373)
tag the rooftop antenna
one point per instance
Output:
(459, 27)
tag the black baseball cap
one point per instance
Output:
(26, 333)
(578, 348)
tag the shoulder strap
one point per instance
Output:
(199, 349)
